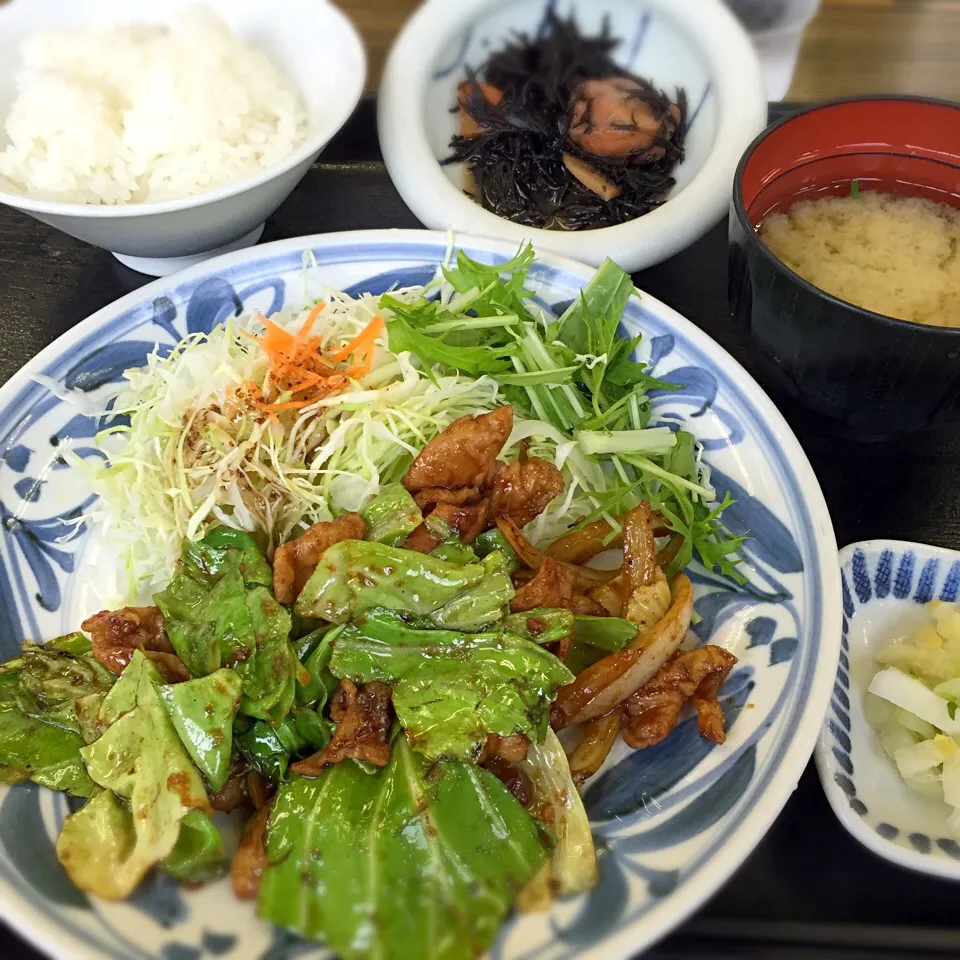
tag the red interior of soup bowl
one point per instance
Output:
(901, 146)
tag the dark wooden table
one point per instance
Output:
(809, 890)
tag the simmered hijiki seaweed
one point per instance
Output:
(556, 134)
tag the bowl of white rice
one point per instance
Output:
(168, 133)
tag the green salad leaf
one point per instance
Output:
(355, 576)
(202, 713)
(692, 517)
(451, 689)
(107, 847)
(474, 360)
(219, 611)
(412, 861)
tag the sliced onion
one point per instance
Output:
(648, 603)
(639, 550)
(599, 736)
(533, 558)
(609, 596)
(667, 554)
(601, 687)
(584, 544)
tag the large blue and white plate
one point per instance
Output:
(672, 822)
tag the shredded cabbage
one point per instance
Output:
(195, 454)
(201, 450)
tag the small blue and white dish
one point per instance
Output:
(886, 585)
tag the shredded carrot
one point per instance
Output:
(301, 335)
(363, 342)
(362, 370)
(298, 367)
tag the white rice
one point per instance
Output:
(134, 114)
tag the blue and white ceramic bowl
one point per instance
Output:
(696, 45)
(673, 821)
(886, 584)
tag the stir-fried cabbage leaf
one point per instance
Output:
(480, 606)
(219, 611)
(541, 625)
(319, 683)
(107, 847)
(42, 696)
(269, 750)
(392, 515)
(222, 549)
(355, 576)
(52, 677)
(198, 855)
(202, 713)
(452, 689)
(412, 861)
(573, 865)
(33, 750)
(596, 637)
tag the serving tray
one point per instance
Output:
(809, 890)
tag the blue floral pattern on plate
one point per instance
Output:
(885, 585)
(671, 821)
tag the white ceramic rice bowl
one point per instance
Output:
(310, 40)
